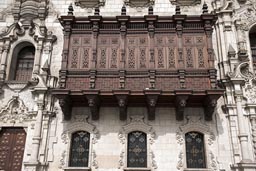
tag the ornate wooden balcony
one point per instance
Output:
(138, 61)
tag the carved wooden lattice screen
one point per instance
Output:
(12, 143)
(79, 154)
(195, 150)
(137, 149)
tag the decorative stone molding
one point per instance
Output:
(89, 3)
(139, 3)
(15, 111)
(185, 2)
(79, 125)
(137, 123)
(195, 123)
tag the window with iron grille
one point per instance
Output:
(79, 151)
(195, 153)
(137, 149)
(25, 63)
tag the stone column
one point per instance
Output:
(4, 60)
(242, 133)
(38, 55)
(34, 162)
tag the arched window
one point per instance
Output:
(137, 149)
(195, 152)
(252, 36)
(79, 150)
(22, 62)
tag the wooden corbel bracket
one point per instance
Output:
(94, 105)
(122, 100)
(152, 97)
(210, 103)
(66, 106)
(180, 104)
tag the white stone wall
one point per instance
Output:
(166, 147)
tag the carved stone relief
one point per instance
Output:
(15, 111)
(137, 123)
(195, 123)
(78, 123)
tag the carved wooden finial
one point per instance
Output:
(97, 11)
(205, 8)
(123, 11)
(150, 10)
(177, 9)
(70, 9)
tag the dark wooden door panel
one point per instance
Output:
(12, 143)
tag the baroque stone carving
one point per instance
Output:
(15, 111)
(136, 123)
(246, 14)
(89, 3)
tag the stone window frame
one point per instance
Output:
(17, 47)
(136, 123)
(209, 137)
(66, 139)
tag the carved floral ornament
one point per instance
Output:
(137, 123)
(15, 111)
(196, 123)
(79, 123)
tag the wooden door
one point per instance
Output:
(12, 144)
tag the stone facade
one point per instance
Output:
(230, 136)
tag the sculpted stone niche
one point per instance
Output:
(89, 3)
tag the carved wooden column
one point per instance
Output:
(208, 18)
(122, 19)
(95, 19)
(179, 29)
(150, 18)
(67, 31)
(6, 48)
